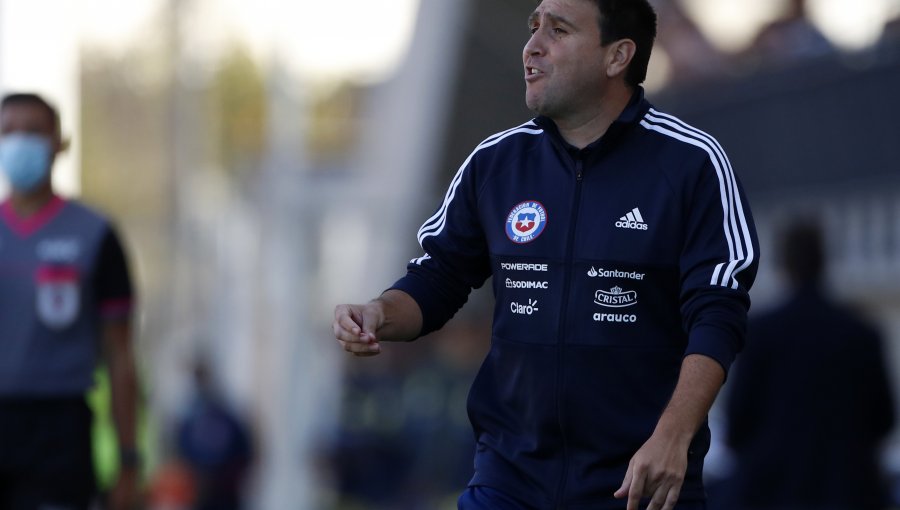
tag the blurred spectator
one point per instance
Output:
(65, 302)
(789, 39)
(216, 446)
(810, 398)
(692, 57)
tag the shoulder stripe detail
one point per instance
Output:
(734, 224)
(435, 224)
(494, 136)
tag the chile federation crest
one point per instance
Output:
(525, 222)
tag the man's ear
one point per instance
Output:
(619, 57)
(63, 145)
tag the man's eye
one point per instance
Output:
(558, 31)
(533, 29)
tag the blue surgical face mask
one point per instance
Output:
(25, 159)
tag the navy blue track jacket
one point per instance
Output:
(610, 264)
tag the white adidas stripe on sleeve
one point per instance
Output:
(736, 230)
(435, 224)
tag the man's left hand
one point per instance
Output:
(656, 471)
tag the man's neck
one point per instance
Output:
(28, 204)
(582, 129)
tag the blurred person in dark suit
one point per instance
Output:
(810, 399)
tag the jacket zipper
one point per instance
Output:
(563, 315)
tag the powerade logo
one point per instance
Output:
(513, 266)
(525, 222)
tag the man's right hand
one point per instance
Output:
(356, 327)
(392, 317)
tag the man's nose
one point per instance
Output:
(535, 45)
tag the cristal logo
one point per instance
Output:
(615, 297)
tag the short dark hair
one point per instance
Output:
(802, 251)
(629, 19)
(30, 98)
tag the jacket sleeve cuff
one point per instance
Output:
(422, 292)
(714, 342)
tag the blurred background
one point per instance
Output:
(267, 160)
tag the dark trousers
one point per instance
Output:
(45, 454)
(486, 498)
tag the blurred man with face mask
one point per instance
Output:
(65, 302)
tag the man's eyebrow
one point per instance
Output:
(556, 18)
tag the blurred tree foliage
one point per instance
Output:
(238, 99)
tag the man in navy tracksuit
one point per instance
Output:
(621, 249)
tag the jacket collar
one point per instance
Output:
(25, 226)
(630, 117)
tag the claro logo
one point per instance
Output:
(523, 309)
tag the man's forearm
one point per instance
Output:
(402, 317)
(699, 382)
(123, 382)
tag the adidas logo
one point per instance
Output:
(632, 220)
